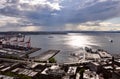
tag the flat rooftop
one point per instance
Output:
(46, 55)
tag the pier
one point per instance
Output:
(46, 55)
(12, 51)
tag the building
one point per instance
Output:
(95, 66)
(72, 70)
(1, 45)
(6, 77)
(53, 72)
(26, 72)
(104, 54)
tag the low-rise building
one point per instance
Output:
(72, 70)
(6, 77)
(53, 72)
(26, 72)
(104, 54)
(94, 66)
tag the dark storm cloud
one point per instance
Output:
(98, 11)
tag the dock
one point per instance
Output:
(13, 51)
(46, 55)
(33, 50)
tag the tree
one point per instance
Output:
(52, 60)
(81, 73)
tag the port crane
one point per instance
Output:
(28, 43)
(19, 42)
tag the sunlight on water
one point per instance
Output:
(79, 41)
(72, 43)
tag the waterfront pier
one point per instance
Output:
(46, 55)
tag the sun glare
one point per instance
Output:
(78, 41)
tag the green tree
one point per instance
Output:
(52, 60)
(81, 72)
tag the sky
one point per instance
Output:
(59, 15)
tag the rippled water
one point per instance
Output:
(73, 42)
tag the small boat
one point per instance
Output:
(111, 41)
(50, 37)
(74, 54)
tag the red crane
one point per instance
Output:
(29, 42)
(7, 40)
(15, 41)
(22, 41)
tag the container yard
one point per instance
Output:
(15, 47)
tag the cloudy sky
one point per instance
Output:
(59, 15)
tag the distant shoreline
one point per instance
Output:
(51, 32)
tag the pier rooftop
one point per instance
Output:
(45, 56)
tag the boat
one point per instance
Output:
(74, 54)
(111, 41)
(50, 37)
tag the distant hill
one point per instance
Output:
(52, 32)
